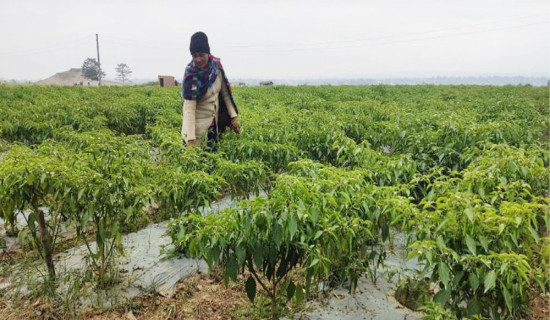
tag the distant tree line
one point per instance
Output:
(91, 70)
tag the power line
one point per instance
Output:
(335, 44)
(126, 43)
(179, 45)
(144, 43)
(391, 36)
(397, 41)
(327, 45)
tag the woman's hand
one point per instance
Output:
(235, 126)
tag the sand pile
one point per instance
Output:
(73, 77)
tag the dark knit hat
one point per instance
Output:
(199, 43)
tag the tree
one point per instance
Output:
(123, 71)
(90, 69)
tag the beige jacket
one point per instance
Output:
(197, 116)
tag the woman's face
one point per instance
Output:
(200, 60)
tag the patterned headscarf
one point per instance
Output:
(196, 81)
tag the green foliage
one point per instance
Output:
(331, 224)
(274, 155)
(243, 179)
(481, 236)
(463, 170)
(178, 191)
(413, 293)
(123, 72)
(92, 70)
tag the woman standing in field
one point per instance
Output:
(206, 112)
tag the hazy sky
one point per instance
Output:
(280, 39)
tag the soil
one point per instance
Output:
(540, 307)
(166, 287)
(202, 296)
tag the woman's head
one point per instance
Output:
(201, 59)
(200, 50)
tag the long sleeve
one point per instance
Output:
(189, 121)
(228, 103)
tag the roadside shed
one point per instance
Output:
(167, 81)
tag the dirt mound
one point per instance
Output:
(73, 77)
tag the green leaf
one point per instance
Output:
(534, 234)
(309, 277)
(490, 279)
(258, 255)
(507, 298)
(318, 234)
(524, 171)
(429, 256)
(241, 254)
(290, 290)
(30, 179)
(440, 243)
(471, 243)
(457, 278)
(272, 258)
(129, 212)
(473, 307)
(250, 287)
(474, 281)
(385, 231)
(277, 234)
(118, 242)
(512, 167)
(315, 213)
(313, 262)
(483, 241)
(442, 296)
(299, 293)
(231, 268)
(444, 274)
(31, 220)
(292, 226)
(481, 192)
(80, 193)
(282, 269)
(469, 213)
(214, 254)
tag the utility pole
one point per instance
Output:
(98, 63)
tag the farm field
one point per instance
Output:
(321, 181)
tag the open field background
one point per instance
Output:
(460, 172)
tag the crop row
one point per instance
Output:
(462, 170)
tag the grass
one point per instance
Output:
(203, 296)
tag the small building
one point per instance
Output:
(167, 81)
(266, 83)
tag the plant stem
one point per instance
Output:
(46, 245)
(94, 262)
(251, 268)
(32, 229)
(56, 227)
(274, 299)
